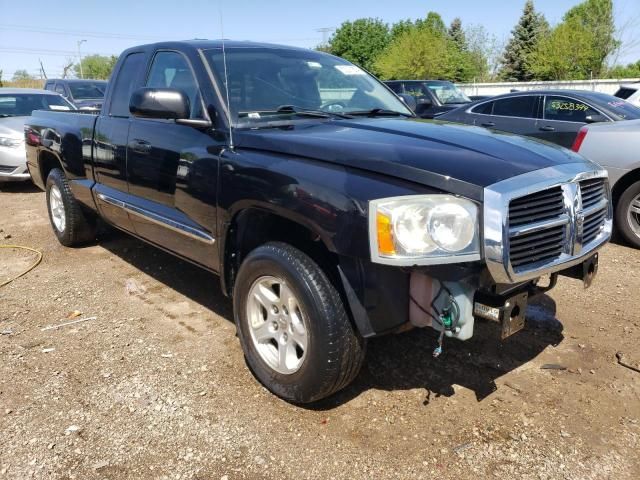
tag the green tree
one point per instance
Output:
(631, 70)
(525, 37)
(596, 16)
(577, 48)
(457, 35)
(418, 53)
(21, 75)
(361, 41)
(96, 66)
(564, 54)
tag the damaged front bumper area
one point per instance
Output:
(549, 222)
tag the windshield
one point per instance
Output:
(22, 104)
(86, 90)
(616, 106)
(264, 80)
(447, 92)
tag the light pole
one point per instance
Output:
(80, 42)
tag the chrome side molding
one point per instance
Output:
(163, 221)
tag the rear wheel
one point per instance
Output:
(628, 214)
(70, 223)
(294, 330)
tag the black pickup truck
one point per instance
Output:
(329, 211)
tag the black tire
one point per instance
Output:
(622, 215)
(79, 227)
(335, 350)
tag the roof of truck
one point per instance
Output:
(13, 91)
(204, 44)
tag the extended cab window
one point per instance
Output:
(563, 109)
(125, 84)
(60, 89)
(171, 70)
(522, 107)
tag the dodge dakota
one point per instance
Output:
(329, 211)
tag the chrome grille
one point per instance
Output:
(544, 242)
(593, 225)
(537, 207)
(593, 192)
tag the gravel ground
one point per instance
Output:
(156, 386)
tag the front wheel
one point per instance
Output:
(293, 327)
(628, 214)
(70, 224)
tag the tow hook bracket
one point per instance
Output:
(585, 271)
(509, 312)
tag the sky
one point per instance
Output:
(50, 31)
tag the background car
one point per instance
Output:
(84, 94)
(615, 146)
(552, 115)
(16, 105)
(630, 92)
(433, 97)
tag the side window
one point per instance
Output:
(522, 107)
(565, 109)
(125, 83)
(484, 108)
(60, 89)
(48, 86)
(395, 86)
(171, 70)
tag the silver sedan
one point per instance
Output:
(616, 146)
(16, 105)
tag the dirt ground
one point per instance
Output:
(156, 386)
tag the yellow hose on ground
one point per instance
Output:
(35, 264)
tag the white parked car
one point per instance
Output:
(630, 92)
(16, 105)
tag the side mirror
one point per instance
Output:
(165, 103)
(409, 101)
(597, 118)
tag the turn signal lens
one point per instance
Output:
(386, 244)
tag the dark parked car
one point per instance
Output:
(552, 115)
(84, 94)
(433, 97)
(330, 213)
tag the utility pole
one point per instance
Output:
(42, 72)
(80, 42)
(325, 34)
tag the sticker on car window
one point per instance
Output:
(59, 108)
(620, 103)
(349, 70)
(314, 64)
(570, 106)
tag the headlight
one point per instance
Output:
(423, 230)
(10, 142)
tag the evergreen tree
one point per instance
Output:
(531, 27)
(457, 35)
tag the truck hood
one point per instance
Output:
(455, 158)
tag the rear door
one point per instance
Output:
(512, 114)
(562, 118)
(173, 169)
(110, 144)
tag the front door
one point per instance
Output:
(173, 170)
(562, 118)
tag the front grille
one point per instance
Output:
(537, 207)
(593, 191)
(7, 169)
(593, 225)
(543, 244)
(537, 246)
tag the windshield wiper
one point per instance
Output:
(378, 112)
(310, 113)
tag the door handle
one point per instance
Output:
(547, 128)
(488, 124)
(140, 146)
